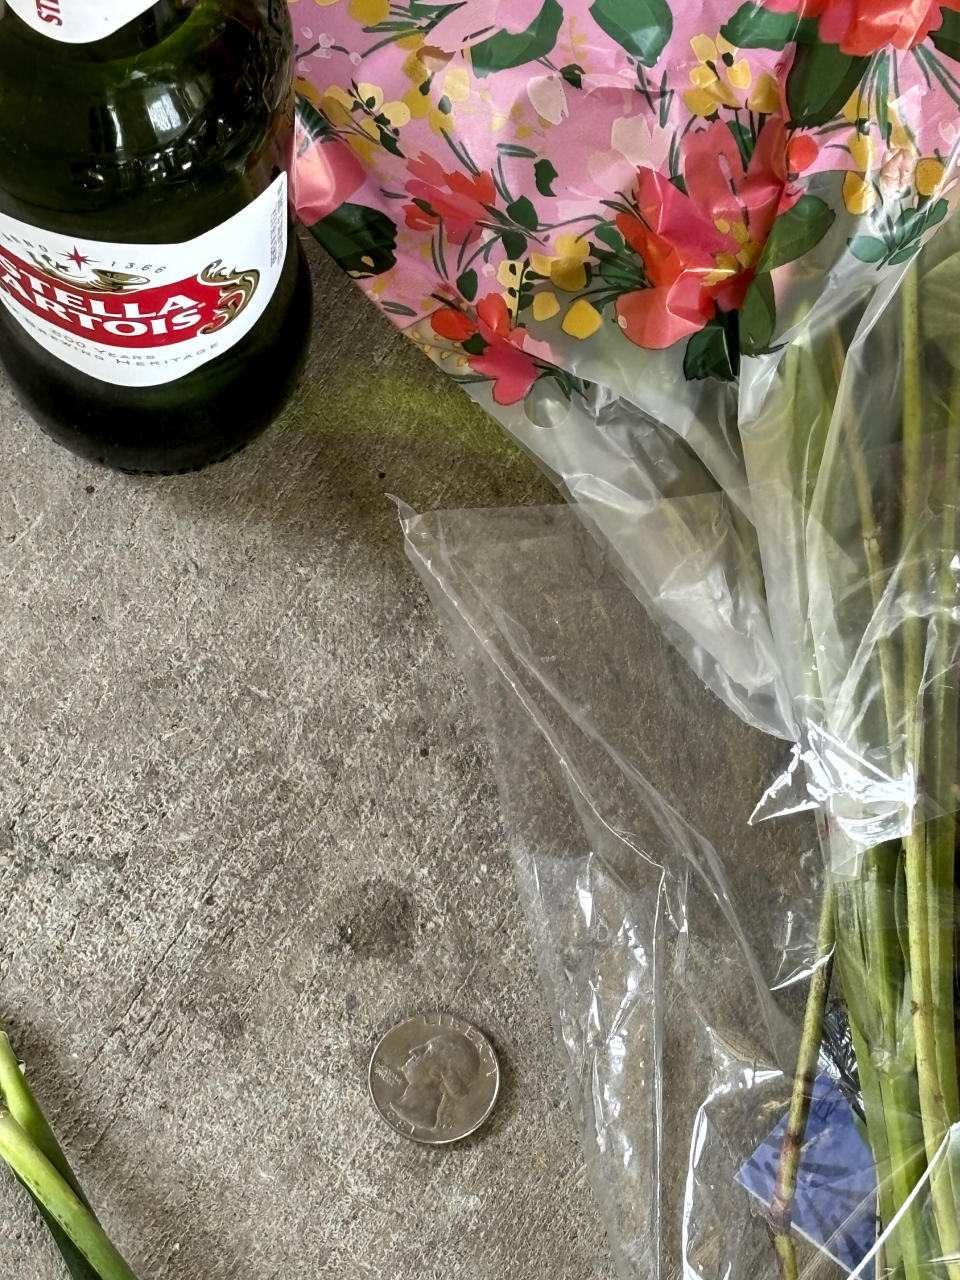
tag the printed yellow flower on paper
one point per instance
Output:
(582, 319)
(545, 305)
(371, 98)
(415, 69)
(369, 12)
(510, 273)
(433, 95)
(719, 78)
(765, 98)
(859, 194)
(510, 276)
(566, 269)
(859, 189)
(929, 177)
(861, 113)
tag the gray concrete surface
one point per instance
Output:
(246, 821)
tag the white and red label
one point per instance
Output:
(140, 315)
(78, 21)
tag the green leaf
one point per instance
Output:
(938, 212)
(946, 38)
(573, 74)
(642, 27)
(397, 308)
(758, 316)
(868, 248)
(475, 345)
(513, 50)
(904, 255)
(523, 213)
(514, 149)
(514, 244)
(910, 224)
(711, 353)
(609, 235)
(755, 27)
(467, 284)
(544, 174)
(359, 239)
(744, 139)
(914, 223)
(389, 142)
(821, 80)
(614, 273)
(796, 231)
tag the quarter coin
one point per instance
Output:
(434, 1078)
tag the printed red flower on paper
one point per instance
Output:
(458, 200)
(493, 348)
(861, 27)
(700, 250)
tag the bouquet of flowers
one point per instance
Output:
(700, 258)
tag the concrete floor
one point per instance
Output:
(246, 822)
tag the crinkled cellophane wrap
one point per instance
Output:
(701, 261)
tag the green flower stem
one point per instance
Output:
(791, 1149)
(944, 717)
(873, 987)
(16, 1095)
(891, 1254)
(873, 558)
(53, 1192)
(924, 891)
(892, 1126)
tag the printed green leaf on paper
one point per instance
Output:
(544, 175)
(523, 213)
(868, 248)
(796, 231)
(946, 38)
(755, 27)
(361, 240)
(820, 82)
(758, 316)
(642, 27)
(713, 352)
(468, 284)
(507, 49)
(573, 74)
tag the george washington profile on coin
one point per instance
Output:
(434, 1078)
(442, 1069)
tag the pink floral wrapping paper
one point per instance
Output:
(619, 192)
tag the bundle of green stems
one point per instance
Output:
(887, 931)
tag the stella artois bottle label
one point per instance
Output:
(78, 21)
(138, 315)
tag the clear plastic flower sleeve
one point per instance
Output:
(701, 262)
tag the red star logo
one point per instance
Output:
(76, 257)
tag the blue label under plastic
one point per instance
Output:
(835, 1204)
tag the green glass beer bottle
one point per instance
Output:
(154, 301)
